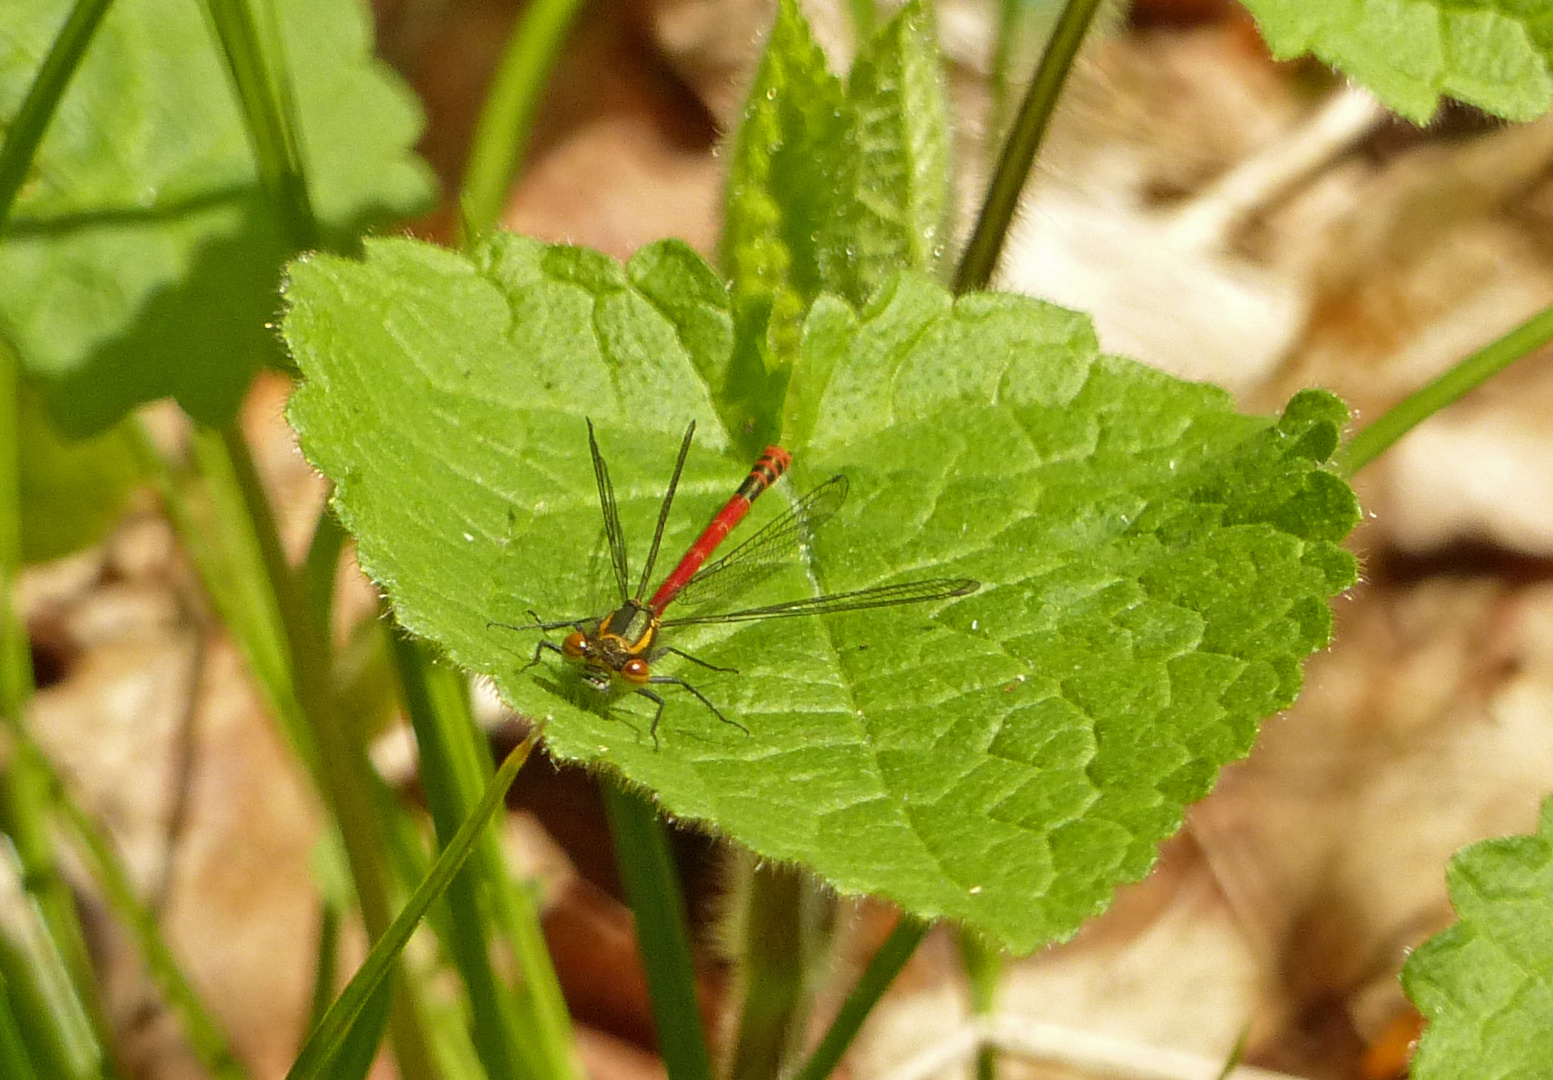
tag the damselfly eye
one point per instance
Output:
(575, 645)
(635, 670)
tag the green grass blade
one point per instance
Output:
(24, 784)
(14, 1062)
(326, 960)
(26, 819)
(652, 889)
(32, 119)
(344, 776)
(223, 518)
(507, 119)
(31, 1034)
(1465, 376)
(326, 1039)
(54, 1031)
(210, 515)
(881, 971)
(205, 1037)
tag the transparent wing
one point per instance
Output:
(663, 510)
(908, 592)
(612, 529)
(777, 544)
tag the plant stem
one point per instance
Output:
(984, 970)
(205, 1037)
(320, 568)
(518, 1030)
(882, 969)
(37, 109)
(507, 120)
(343, 771)
(1010, 22)
(652, 889)
(788, 921)
(24, 782)
(1466, 375)
(980, 258)
(276, 149)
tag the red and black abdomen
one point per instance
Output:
(767, 470)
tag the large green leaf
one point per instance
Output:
(1154, 564)
(1486, 984)
(142, 259)
(1495, 54)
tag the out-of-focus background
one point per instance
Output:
(1256, 224)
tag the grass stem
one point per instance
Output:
(652, 889)
(31, 121)
(881, 971)
(1466, 375)
(506, 121)
(980, 257)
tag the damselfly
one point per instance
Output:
(623, 644)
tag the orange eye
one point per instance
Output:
(635, 670)
(575, 645)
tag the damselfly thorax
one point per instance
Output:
(623, 644)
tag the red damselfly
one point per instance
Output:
(623, 644)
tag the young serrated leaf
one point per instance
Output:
(1154, 565)
(781, 171)
(829, 189)
(142, 259)
(892, 196)
(1484, 984)
(1495, 54)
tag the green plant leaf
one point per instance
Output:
(1154, 564)
(142, 259)
(1495, 54)
(1484, 984)
(72, 491)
